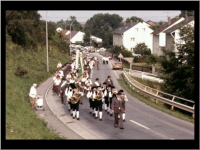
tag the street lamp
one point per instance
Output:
(70, 36)
(47, 44)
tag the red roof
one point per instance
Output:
(73, 33)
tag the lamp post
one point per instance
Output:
(47, 44)
(70, 36)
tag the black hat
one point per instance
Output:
(94, 87)
(113, 87)
(109, 85)
(109, 76)
(121, 91)
(97, 78)
(72, 86)
(104, 83)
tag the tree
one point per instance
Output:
(134, 19)
(120, 49)
(142, 49)
(189, 13)
(178, 68)
(102, 26)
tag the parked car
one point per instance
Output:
(102, 49)
(109, 56)
(117, 65)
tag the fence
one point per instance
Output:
(172, 100)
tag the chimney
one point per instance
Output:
(124, 23)
(186, 18)
(131, 22)
(169, 20)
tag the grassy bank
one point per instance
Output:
(21, 121)
(160, 106)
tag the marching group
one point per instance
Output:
(72, 89)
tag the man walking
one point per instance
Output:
(33, 95)
(118, 109)
(97, 62)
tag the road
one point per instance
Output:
(142, 121)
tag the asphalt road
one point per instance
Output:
(142, 121)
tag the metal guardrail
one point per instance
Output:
(159, 95)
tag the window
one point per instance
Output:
(136, 29)
(132, 39)
(143, 29)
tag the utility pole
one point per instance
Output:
(70, 36)
(47, 44)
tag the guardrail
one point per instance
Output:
(175, 101)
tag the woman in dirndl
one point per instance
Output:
(56, 84)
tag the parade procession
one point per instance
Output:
(73, 84)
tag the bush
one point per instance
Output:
(20, 71)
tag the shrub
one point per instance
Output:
(20, 71)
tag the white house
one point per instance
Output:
(174, 31)
(133, 33)
(168, 34)
(59, 29)
(76, 36)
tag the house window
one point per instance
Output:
(143, 29)
(136, 29)
(132, 39)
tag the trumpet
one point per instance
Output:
(76, 97)
(99, 95)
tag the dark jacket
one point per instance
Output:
(109, 83)
(116, 104)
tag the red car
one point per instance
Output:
(109, 56)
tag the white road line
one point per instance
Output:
(139, 124)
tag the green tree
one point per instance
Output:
(189, 13)
(141, 48)
(134, 19)
(178, 68)
(120, 49)
(102, 26)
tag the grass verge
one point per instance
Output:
(21, 121)
(149, 101)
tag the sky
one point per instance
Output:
(83, 16)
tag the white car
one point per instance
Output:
(98, 50)
(102, 49)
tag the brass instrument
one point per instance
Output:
(76, 97)
(99, 95)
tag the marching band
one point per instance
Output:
(72, 89)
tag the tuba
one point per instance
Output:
(99, 95)
(75, 97)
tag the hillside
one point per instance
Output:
(21, 121)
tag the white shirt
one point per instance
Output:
(33, 92)
(106, 58)
(61, 74)
(57, 81)
(59, 65)
(87, 82)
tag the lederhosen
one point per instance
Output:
(93, 101)
(75, 106)
(99, 104)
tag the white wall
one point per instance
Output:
(117, 39)
(142, 34)
(78, 37)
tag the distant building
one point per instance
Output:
(132, 33)
(168, 34)
(59, 29)
(151, 23)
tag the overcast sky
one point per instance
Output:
(83, 16)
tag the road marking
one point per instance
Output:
(139, 124)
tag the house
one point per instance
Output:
(151, 23)
(96, 40)
(59, 29)
(174, 31)
(132, 33)
(75, 36)
(162, 39)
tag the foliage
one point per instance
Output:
(189, 13)
(152, 59)
(134, 19)
(142, 49)
(20, 71)
(102, 26)
(154, 27)
(118, 49)
(178, 67)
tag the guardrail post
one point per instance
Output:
(172, 107)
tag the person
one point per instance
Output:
(113, 94)
(33, 95)
(56, 84)
(59, 65)
(104, 90)
(67, 92)
(98, 103)
(97, 62)
(108, 100)
(91, 95)
(106, 60)
(109, 81)
(62, 88)
(125, 99)
(97, 83)
(118, 109)
(75, 102)
(61, 74)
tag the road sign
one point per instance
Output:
(120, 56)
